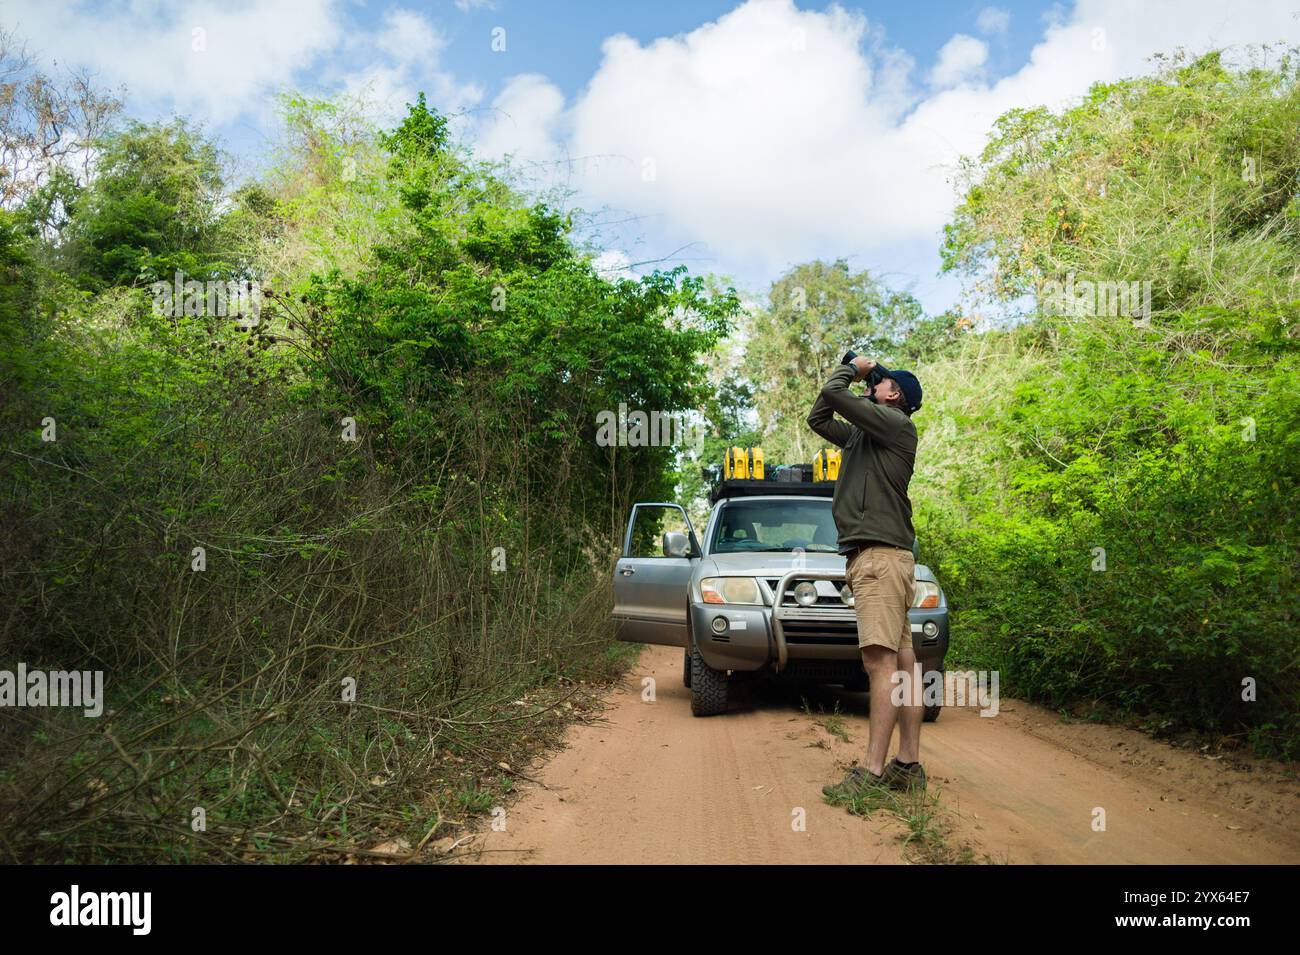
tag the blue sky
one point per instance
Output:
(738, 137)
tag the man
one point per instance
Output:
(873, 516)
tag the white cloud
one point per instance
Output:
(775, 134)
(993, 20)
(960, 59)
(223, 60)
(613, 264)
(716, 132)
(210, 58)
(401, 59)
(407, 37)
(524, 120)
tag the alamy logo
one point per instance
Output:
(1088, 298)
(638, 429)
(103, 908)
(79, 688)
(211, 299)
(951, 689)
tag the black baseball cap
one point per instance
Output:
(907, 384)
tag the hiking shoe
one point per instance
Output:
(856, 783)
(900, 776)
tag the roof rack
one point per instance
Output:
(743, 488)
(745, 474)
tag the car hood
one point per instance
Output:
(773, 564)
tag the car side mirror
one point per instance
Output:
(916, 551)
(676, 544)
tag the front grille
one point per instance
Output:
(821, 640)
(831, 634)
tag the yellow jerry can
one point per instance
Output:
(737, 464)
(826, 466)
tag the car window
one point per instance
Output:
(745, 525)
(650, 525)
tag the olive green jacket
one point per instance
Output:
(879, 452)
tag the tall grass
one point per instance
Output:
(326, 561)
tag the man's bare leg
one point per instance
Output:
(909, 717)
(880, 664)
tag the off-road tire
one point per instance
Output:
(708, 687)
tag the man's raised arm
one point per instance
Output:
(822, 418)
(879, 421)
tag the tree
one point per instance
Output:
(1109, 461)
(815, 312)
(152, 208)
(47, 124)
(1189, 179)
(482, 286)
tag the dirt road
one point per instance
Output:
(652, 784)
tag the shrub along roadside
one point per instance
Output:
(450, 562)
(1109, 497)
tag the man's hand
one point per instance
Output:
(862, 366)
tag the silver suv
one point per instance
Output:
(765, 592)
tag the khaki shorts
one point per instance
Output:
(883, 582)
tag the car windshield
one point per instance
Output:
(745, 526)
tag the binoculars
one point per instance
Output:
(873, 376)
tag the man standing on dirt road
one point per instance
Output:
(873, 516)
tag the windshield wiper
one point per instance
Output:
(790, 550)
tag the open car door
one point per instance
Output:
(651, 578)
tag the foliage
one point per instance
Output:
(445, 559)
(152, 211)
(1169, 440)
(816, 312)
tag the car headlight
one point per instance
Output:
(846, 595)
(805, 593)
(730, 590)
(926, 595)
